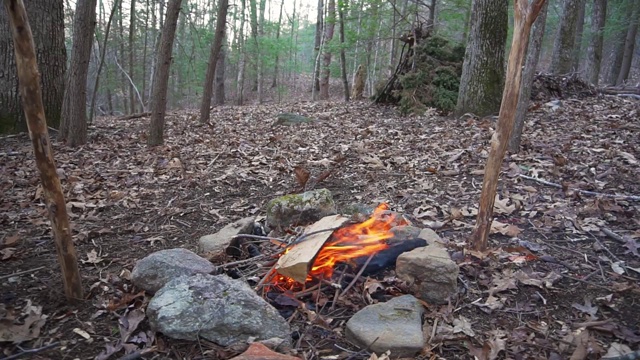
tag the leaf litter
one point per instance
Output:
(521, 298)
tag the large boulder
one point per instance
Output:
(154, 271)
(395, 325)
(431, 273)
(217, 308)
(297, 209)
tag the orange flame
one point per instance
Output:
(354, 241)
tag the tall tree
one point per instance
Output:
(594, 52)
(207, 92)
(161, 77)
(483, 67)
(326, 57)
(274, 81)
(577, 46)
(629, 44)
(219, 94)
(132, 46)
(103, 52)
(317, 44)
(563, 46)
(47, 17)
(243, 53)
(253, 22)
(74, 122)
(343, 58)
(528, 73)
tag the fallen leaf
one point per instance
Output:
(505, 229)
(27, 329)
(587, 308)
(302, 175)
(7, 253)
(82, 333)
(129, 323)
(502, 206)
(92, 258)
(10, 240)
(463, 325)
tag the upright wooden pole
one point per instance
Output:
(29, 84)
(525, 15)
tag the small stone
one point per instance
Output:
(257, 351)
(223, 238)
(300, 209)
(404, 232)
(217, 308)
(430, 272)
(431, 236)
(395, 325)
(154, 271)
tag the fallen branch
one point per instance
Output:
(586, 192)
(613, 235)
(21, 273)
(134, 116)
(357, 276)
(30, 351)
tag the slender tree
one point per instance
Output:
(243, 54)
(561, 60)
(132, 46)
(161, 77)
(218, 94)
(326, 57)
(207, 92)
(594, 52)
(528, 73)
(629, 44)
(483, 68)
(343, 58)
(318, 44)
(74, 123)
(577, 46)
(33, 106)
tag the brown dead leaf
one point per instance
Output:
(7, 253)
(505, 229)
(302, 175)
(10, 240)
(501, 206)
(27, 329)
(92, 258)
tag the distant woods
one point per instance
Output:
(281, 50)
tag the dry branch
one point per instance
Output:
(31, 94)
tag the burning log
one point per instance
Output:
(295, 263)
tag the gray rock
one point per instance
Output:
(430, 272)
(297, 209)
(431, 237)
(217, 308)
(222, 239)
(404, 232)
(396, 324)
(157, 269)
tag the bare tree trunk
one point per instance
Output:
(524, 16)
(161, 77)
(144, 52)
(594, 52)
(528, 73)
(123, 77)
(482, 79)
(629, 44)
(132, 29)
(242, 60)
(101, 63)
(561, 61)
(207, 92)
(359, 80)
(218, 94)
(48, 32)
(253, 13)
(343, 58)
(274, 81)
(577, 47)
(318, 44)
(74, 109)
(326, 58)
(28, 77)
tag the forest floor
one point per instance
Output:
(127, 200)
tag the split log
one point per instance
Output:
(525, 14)
(134, 116)
(296, 263)
(31, 94)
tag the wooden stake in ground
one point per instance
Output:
(525, 15)
(29, 80)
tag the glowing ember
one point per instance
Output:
(355, 241)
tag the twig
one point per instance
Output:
(21, 273)
(586, 282)
(613, 235)
(586, 192)
(30, 351)
(604, 247)
(240, 262)
(258, 237)
(591, 323)
(357, 276)
(138, 354)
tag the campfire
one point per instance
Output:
(335, 241)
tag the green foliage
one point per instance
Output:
(435, 80)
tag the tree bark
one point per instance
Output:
(528, 73)
(561, 60)
(132, 29)
(524, 16)
(274, 81)
(27, 73)
(577, 46)
(343, 58)
(326, 58)
(74, 123)
(318, 44)
(161, 77)
(629, 44)
(207, 92)
(243, 53)
(594, 52)
(218, 94)
(482, 78)
(48, 32)
(103, 52)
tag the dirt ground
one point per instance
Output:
(554, 285)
